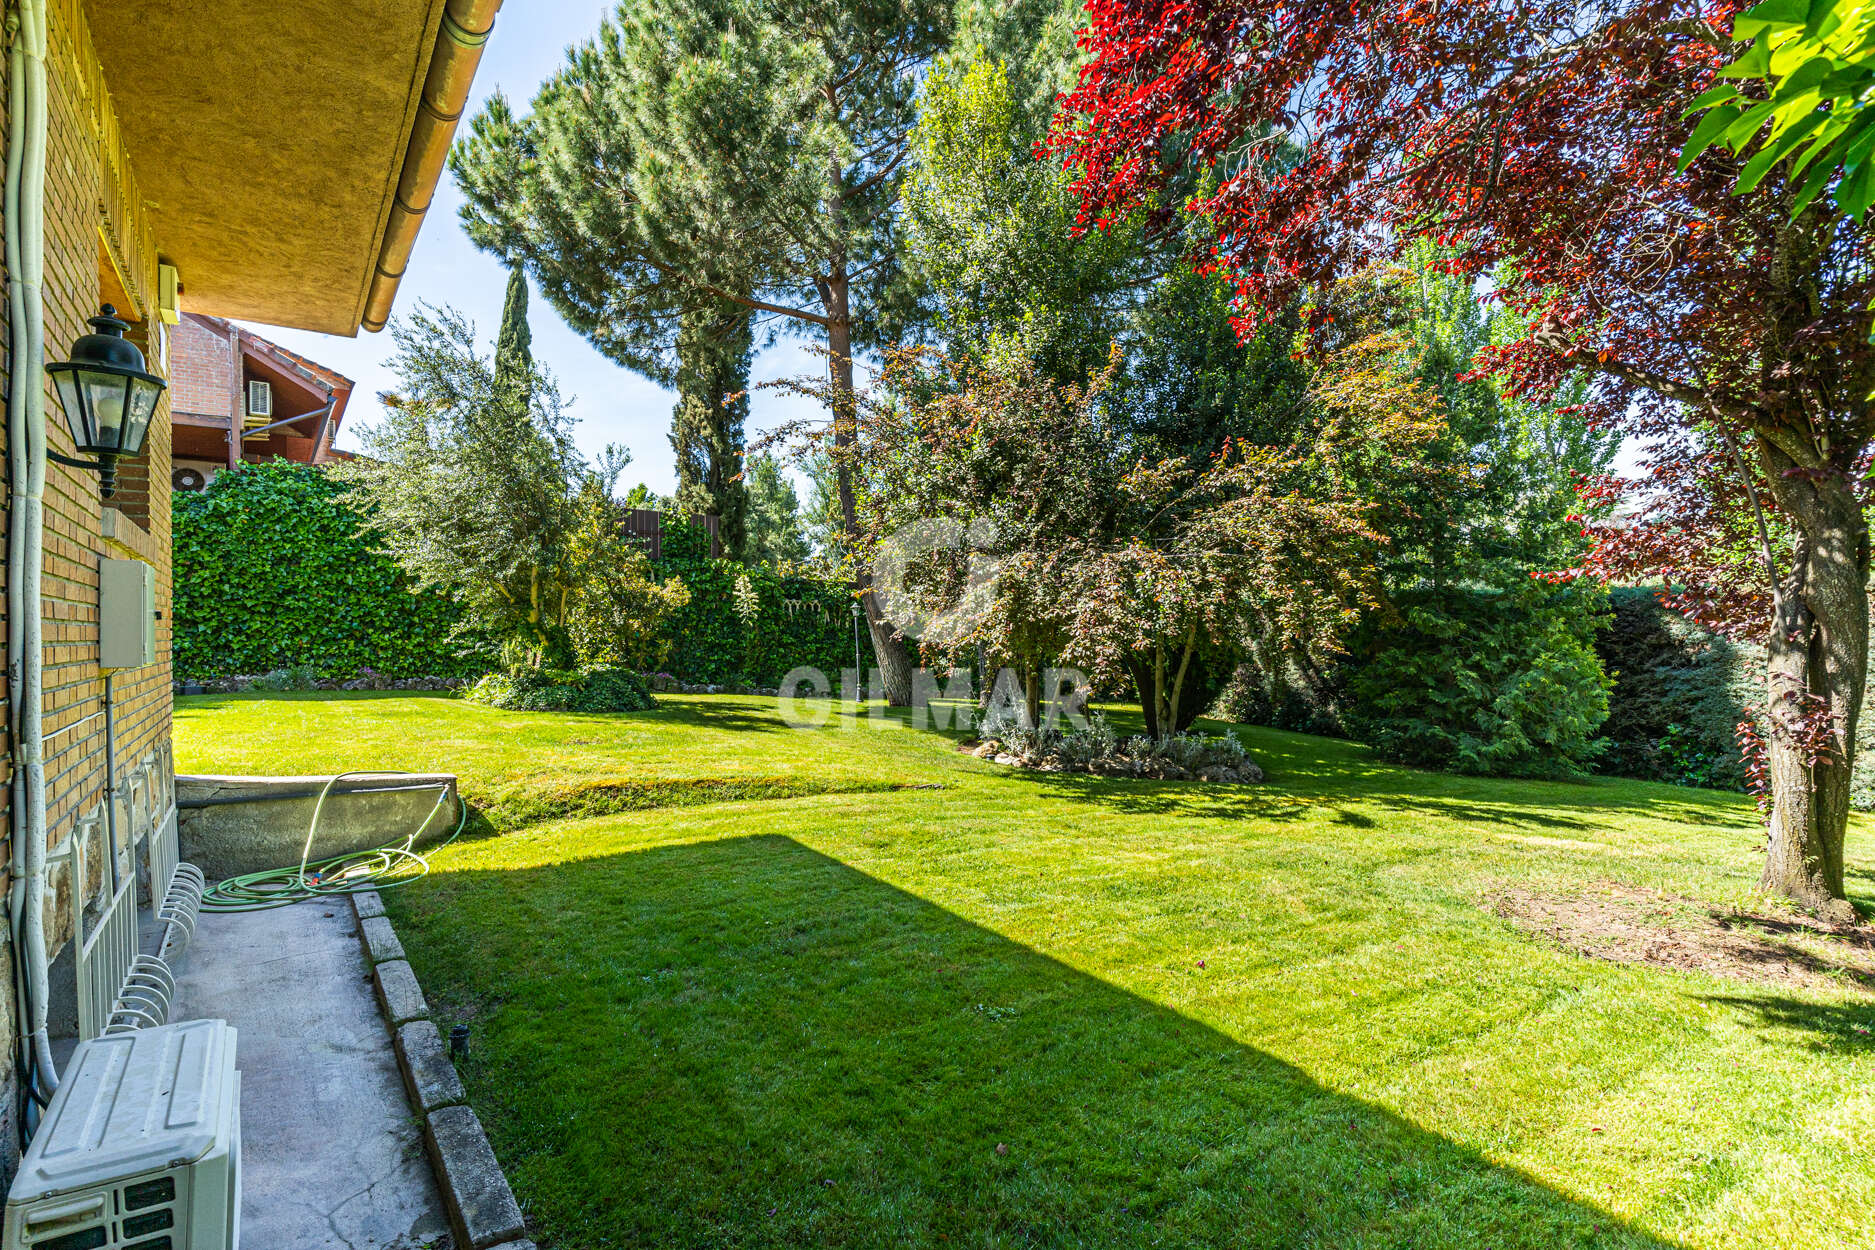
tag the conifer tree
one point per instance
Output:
(514, 354)
(713, 348)
(741, 151)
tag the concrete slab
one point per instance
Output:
(334, 1156)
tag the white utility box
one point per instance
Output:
(126, 614)
(140, 1148)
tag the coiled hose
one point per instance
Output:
(379, 868)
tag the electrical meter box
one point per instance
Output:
(126, 614)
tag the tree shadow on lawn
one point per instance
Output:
(1306, 772)
(745, 1042)
(1835, 1027)
(1573, 809)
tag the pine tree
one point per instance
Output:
(748, 151)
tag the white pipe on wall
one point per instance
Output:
(16, 532)
(25, 210)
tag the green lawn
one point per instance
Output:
(1021, 1010)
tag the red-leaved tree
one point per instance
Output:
(1723, 334)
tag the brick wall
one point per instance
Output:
(90, 196)
(200, 370)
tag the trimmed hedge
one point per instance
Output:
(273, 569)
(774, 623)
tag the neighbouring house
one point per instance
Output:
(188, 165)
(235, 396)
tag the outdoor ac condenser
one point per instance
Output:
(140, 1148)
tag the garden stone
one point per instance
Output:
(429, 1077)
(380, 939)
(399, 995)
(482, 1210)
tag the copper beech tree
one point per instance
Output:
(1728, 337)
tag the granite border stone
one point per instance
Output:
(480, 1204)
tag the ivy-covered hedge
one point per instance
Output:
(1680, 693)
(748, 623)
(272, 571)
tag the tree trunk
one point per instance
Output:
(894, 664)
(1148, 687)
(1816, 670)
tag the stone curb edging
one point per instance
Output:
(483, 1214)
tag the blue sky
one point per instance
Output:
(613, 405)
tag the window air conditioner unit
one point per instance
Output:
(140, 1148)
(260, 399)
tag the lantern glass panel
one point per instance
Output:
(76, 418)
(105, 394)
(143, 397)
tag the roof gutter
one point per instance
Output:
(465, 29)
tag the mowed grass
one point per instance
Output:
(1022, 1010)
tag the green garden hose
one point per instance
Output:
(379, 868)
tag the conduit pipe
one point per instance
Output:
(464, 33)
(16, 538)
(26, 453)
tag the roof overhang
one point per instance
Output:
(288, 152)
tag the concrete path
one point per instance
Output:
(333, 1155)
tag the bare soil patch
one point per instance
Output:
(1627, 925)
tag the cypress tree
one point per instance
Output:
(514, 353)
(713, 350)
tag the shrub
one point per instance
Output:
(275, 567)
(1095, 748)
(621, 611)
(1500, 682)
(593, 690)
(1679, 694)
(296, 677)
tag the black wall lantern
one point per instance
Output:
(107, 397)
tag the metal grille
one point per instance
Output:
(165, 854)
(105, 954)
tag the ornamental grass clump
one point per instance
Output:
(1096, 748)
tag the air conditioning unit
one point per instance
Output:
(188, 479)
(140, 1148)
(260, 399)
(168, 294)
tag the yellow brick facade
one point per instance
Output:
(95, 222)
